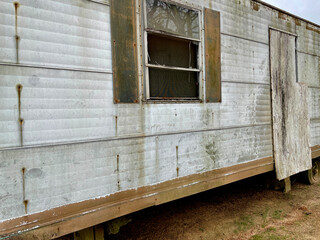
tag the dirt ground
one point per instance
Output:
(242, 210)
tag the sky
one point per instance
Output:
(307, 9)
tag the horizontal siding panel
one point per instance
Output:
(61, 33)
(242, 104)
(57, 106)
(315, 132)
(70, 173)
(244, 61)
(240, 19)
(308, 40)
(61, 106)
(309, 69)
(314, 103)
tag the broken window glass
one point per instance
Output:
(171, 18)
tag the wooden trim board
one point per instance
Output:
(69, 218)
(315, 151)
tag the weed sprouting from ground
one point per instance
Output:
(243, 223)
(265, 217)
(269, 234)
(278, 214)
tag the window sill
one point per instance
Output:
(171, 101)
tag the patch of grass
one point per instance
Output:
(257, 237)
(243, 223)
(278, 214)
(201, 229)
(268, 237)
(264, 217)
(269, 234)
(271, 229)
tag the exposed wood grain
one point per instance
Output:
(291, 123)
(124, 55)
(85, 234)
(212, 54)
(315, 151)
(99, 232)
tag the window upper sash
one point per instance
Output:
(165, 17)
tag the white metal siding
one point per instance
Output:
(65, 33)
(308, 40)
(314, 113)
(242, 104)
(309, 73)
(309, 69)
(56, 105)
(71, 173)
(244, 61)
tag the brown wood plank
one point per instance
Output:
(99, 232)
(315, 151)
(74, 217)
(124, 51)
(212, 44)
(85, 234)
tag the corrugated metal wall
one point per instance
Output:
(65, 33)
(56, 105)
(75, 103)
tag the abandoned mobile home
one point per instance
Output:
(109, 107)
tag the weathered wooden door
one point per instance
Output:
(291, 131)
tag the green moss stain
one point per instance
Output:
(114, 226)
(211, 150)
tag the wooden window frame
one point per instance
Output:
(200, 53)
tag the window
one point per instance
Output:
(173, 43)
(181, 62)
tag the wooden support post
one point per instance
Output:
(85, 234)
(287, 185)
(99, 232)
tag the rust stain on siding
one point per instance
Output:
(17, 37)
(177, 156)
(282, 16)
(116, 123)
(255, 6)
(118, 173)
(313, 29)
(297, 21)
(20, 120)
(25, 202)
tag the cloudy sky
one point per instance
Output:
(307, 9)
